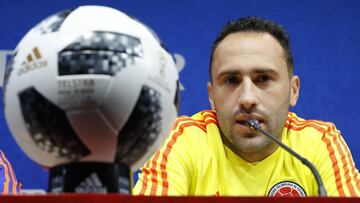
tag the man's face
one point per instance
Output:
(250, 80)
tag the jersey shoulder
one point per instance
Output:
(310, 128)
(313, 139)
(197, 124)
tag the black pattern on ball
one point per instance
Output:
(49, 127)
(142, 127)
(99, 53)
(52, 23)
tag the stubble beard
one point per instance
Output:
(254, 143)
(250, 144)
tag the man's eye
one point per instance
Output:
(263, 79)
(231, 80)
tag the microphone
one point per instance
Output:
(255, 126)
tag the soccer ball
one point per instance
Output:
(90, 85)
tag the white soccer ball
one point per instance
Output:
(90, 85)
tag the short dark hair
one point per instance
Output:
(259, 25)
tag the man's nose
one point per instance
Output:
(248, 99)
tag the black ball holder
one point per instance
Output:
(90, 177)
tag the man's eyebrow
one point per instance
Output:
(265, 70)
(255, 71)
(228, 72)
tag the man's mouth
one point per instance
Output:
(242, 122)
(243, 118)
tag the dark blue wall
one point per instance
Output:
(325, 38)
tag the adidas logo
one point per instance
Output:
(91, 184)
(33, 61)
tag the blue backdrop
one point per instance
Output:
(325, 38)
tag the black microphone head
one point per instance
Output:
(253, 124)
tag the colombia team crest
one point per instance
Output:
(287, 189)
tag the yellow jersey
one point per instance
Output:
(195, 161)
(8, 181)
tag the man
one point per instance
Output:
(215, 153)
(8, 181)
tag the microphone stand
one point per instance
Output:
(255, 126)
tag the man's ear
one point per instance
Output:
(210, 93)
(294, 91)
